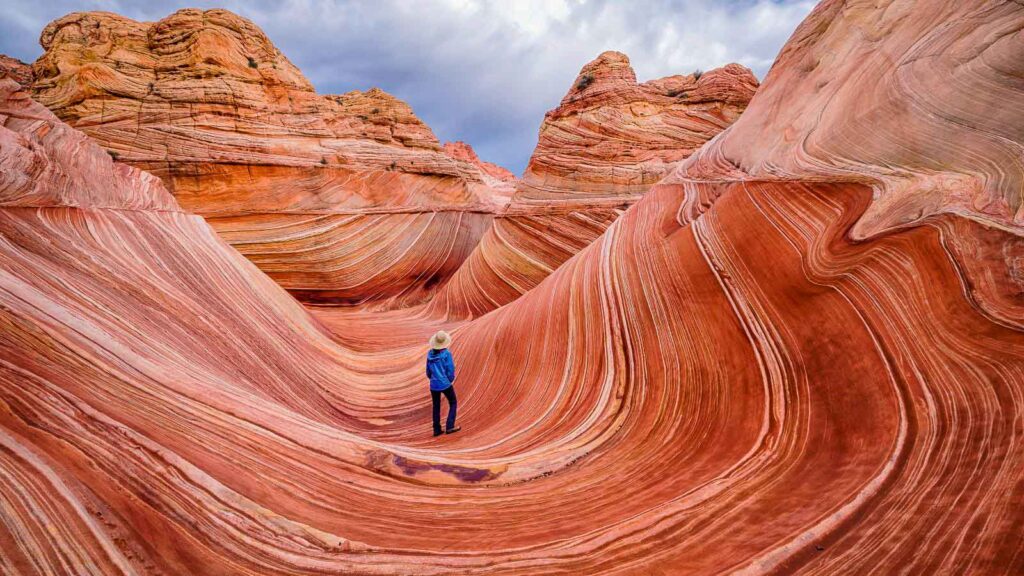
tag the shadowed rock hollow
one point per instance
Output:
(800, 352)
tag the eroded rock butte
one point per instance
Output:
(608, 141)
(339, 198)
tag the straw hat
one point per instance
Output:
(440, 341)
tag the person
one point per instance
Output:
(441, 372)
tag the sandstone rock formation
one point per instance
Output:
(462, 151)
(604, 146)
(610, 139)
(205, 101)
(751, 371)
(16, 70)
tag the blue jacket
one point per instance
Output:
(440, 369)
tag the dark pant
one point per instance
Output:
(453, 404)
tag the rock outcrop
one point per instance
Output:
(462, 151)
(205, 101)
(751, 371)
(611, 138)
(16, 70)
(608, 141)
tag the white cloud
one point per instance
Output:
(477, 70)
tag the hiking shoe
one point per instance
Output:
(454, 430)
(438, 432)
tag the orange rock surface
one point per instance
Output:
(205, 101)
(752, 371)
(16, 70)
(462, 151)
(604, 146)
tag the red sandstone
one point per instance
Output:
(206, 102)
(599, 152)
(801, 352)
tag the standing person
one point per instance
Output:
(441, 372)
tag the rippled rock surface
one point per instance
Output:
(764, 366)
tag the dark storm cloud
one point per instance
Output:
(479, 71)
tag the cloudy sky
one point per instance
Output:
(474, 70)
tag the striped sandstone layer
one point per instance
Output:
(604, 146)
(745, 373)
(205, 101)
(16, 70)
(462, 151)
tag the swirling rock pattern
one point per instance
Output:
(205, 101)
(604, 146)
(734, 378)
(896, 118)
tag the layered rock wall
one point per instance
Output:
(462, 151)
(16, 70)
(205, 101)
